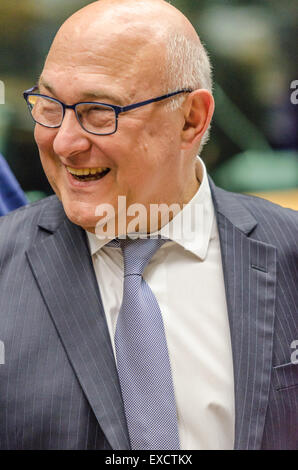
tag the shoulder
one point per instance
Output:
(25, 213)
(262, 210)
(275, 225)
(19, 228)
(239, 205)
(259, 218)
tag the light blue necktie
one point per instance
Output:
(142, 356)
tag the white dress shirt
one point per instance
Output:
(186, 277)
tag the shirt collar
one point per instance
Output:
(190, 228)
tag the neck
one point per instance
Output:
(151, 217)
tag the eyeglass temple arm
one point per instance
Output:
(122, 109)
(153, 100)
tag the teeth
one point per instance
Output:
(85, 171)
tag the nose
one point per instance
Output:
(70, 139)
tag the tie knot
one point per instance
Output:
(137, 253)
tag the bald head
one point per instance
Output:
(150, 16)
(150, 34)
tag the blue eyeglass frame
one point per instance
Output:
(117, 109)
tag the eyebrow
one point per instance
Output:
(87, 95)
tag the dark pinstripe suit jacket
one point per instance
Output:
(59, 387)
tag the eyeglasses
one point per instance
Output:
(95, 118)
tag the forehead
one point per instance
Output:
(126, 59)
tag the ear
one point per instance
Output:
(198, 112)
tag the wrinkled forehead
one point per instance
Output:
(116, 51)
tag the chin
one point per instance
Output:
(80, 214)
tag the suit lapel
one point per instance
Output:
(63, 270)
(249, 269)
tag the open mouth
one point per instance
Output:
(88, 174)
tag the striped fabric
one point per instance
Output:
(59, 387)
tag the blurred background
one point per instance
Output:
(253, 49)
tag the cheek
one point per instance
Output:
(43, 137)
(44, 140)
(139, 167)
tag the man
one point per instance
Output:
(215, 368)
(11, 195)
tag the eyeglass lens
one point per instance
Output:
(93, 117)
